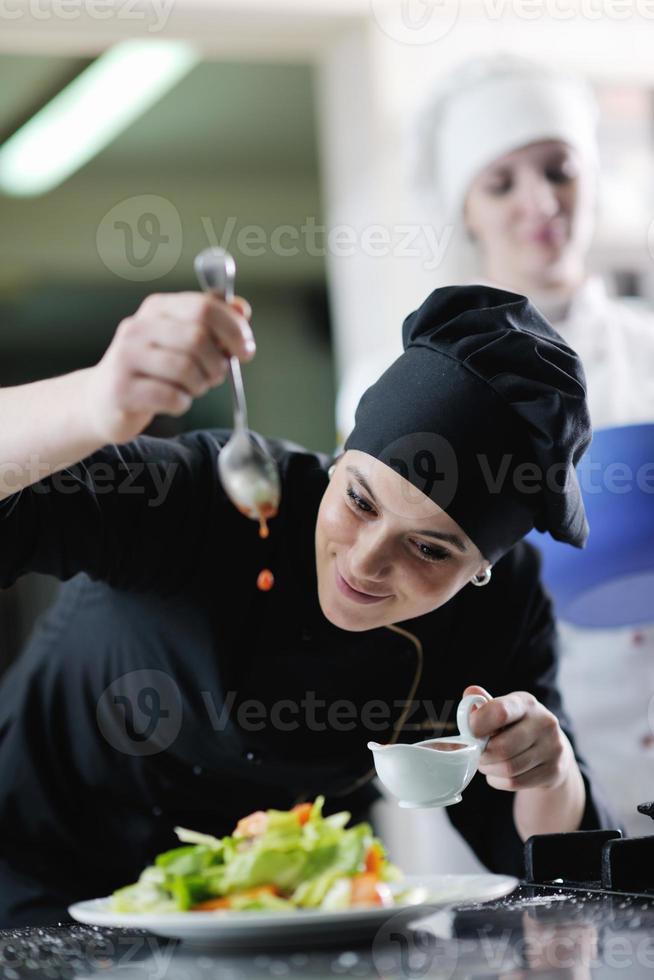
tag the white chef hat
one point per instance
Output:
(491, 106)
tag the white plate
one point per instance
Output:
(304, 925)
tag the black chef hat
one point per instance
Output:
(485, 412)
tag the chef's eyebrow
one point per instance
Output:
(362, 480)
(439, 535)
(445, 536)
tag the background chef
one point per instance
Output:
(508, 149)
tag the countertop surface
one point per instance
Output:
(533, 932)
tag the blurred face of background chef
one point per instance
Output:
(511, 149)
(531, 213)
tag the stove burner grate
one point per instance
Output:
(592, 860)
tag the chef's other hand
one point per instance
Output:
(172, 350)
(526, 747)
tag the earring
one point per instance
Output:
(330, 471)
(482, 579)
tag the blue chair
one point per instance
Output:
(610, 582)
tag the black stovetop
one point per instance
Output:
(544, 932)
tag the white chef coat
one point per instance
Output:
(615, 341)
(606, 676)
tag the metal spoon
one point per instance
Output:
(248, 473)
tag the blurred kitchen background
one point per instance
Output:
(285, 119)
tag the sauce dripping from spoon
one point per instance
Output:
(265, 580)
(266, 511)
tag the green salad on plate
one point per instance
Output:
(275, 860)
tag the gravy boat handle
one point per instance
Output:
(466, 705)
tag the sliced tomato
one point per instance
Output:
(303, 811)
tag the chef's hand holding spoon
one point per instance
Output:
(173, 349)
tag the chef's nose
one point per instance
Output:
(369, 558)
(536, 196)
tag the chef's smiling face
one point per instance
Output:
(384, 551)
(531, 213)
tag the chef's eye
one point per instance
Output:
(559, 175)
(427, 552)
(359, 502)
(500, 186)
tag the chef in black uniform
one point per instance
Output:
(164, 688)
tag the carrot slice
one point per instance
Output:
(303, 811)
(374, 859)
(226, 901)
(210, 905)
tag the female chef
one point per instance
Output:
(164, 688)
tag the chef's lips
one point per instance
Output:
(485, 413)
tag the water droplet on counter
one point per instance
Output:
(348, 959)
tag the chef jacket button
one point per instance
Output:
(306, 636)
(197, 770)
(157, 811)
(252, 757)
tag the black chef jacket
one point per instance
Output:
(163, 688)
